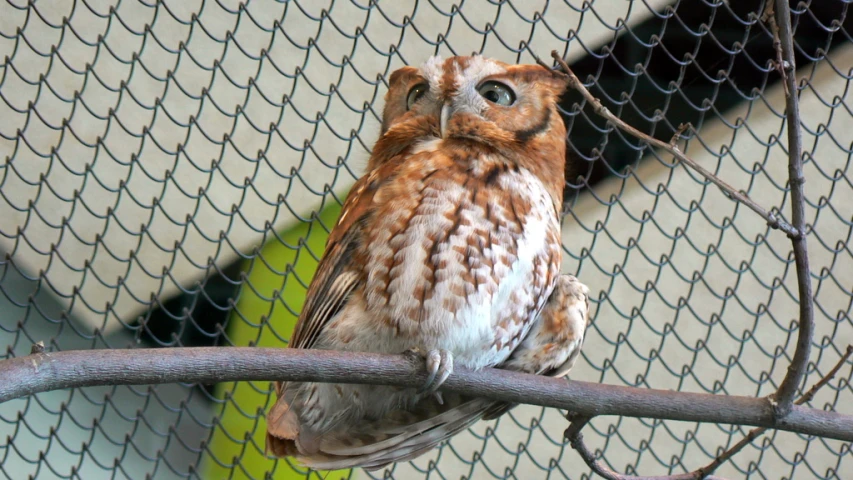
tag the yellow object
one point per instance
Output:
(266, 312)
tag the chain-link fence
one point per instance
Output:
(170, 171)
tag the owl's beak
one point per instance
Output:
(446, 111)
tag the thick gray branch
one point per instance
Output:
(797, 370)
(51, 371)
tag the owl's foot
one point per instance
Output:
(439, 365)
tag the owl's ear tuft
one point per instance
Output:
(395, 97)
(556, 82)
(402, 75)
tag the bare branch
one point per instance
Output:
(673, 142)
(757, 432)
(575, 437)
(57, 370)
(784, 396)
(808, 396)
(772, 220)
(779, 18)
(769, 17)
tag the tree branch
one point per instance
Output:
(79, 368)
(772, 220)
(779, 18)
(575, 437)
(757, 432)
(784, 39)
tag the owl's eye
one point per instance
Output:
(497, 93)
(415, 94)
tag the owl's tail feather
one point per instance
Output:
(282, 430)
(398, 436)
(460, 419)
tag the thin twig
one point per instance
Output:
(78, 368)
(769, 16)
(784, 396)
(673, 142)
(772, 220)
(575, 437)
(808, 396)
(757, 432)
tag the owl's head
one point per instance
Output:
(508, 108)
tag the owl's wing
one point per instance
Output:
(399, 436)
(336, 275)
(565, 318)
(554, 342)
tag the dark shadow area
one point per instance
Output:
(688, 65)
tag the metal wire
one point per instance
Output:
(170, 170)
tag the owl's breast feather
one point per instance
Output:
(456, 262)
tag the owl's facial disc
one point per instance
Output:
(472, 99)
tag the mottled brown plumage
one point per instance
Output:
(450, 247)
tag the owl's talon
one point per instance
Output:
(444, 370)
(439, 365)
(433, 361)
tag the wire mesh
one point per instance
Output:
(170, 171)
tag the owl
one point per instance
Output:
(449, 250)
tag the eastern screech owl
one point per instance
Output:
(449, 248)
